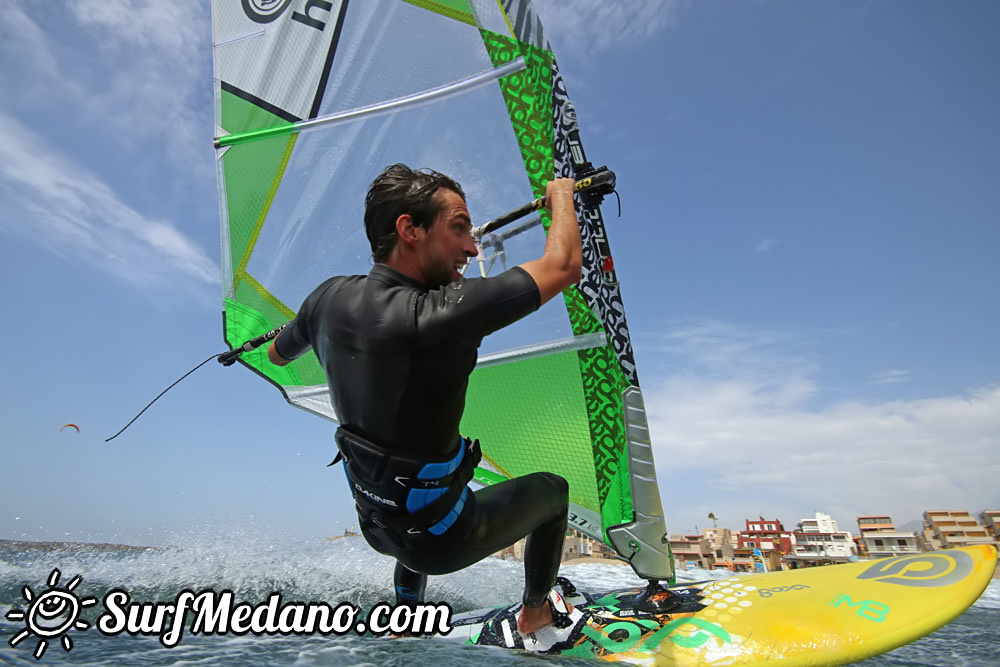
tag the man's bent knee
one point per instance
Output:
(558, 484)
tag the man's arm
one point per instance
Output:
(561, 262)
(274, 357)
(294, 341)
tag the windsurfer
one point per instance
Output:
(398, 346)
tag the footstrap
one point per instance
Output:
(565, 631)
(560, 612)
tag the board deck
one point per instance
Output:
(828, 615)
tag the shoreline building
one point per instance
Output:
(878, 523)
(818, 541)
(944, 529)
(725, 544)
(879, 538)
(991, 522)
(766, 535)
(692, 551)
(576, 545)
(722, 541)
(579, 545)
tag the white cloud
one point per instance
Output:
(891, 377)
(21, 36)
(110, 98)
(156, 57)
(763, 366)
(744, 442)
(133, 73)
(591, 26)
(48, 198)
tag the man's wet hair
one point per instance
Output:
(399, 190)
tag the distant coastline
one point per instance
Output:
(595, 559)
(24, 545)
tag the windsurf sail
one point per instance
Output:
(313, 99)
(759, 564)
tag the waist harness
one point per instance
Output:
(392, 488)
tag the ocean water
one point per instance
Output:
(253, 566)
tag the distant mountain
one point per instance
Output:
(915, 526)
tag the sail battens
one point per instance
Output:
(238, 38)
(383, 108)
(584, 342)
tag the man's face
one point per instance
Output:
(448, 243)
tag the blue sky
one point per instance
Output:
(807, 248)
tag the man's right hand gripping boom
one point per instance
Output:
(561, 262)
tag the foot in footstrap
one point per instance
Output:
(561, 616)
(563, 633)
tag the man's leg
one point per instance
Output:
(495, 517)
(409, 585)
(542, 555)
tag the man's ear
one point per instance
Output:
(406, 231)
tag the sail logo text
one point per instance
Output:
(313, 13)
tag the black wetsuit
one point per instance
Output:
(397, 358)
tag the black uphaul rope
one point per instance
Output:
(225, 358)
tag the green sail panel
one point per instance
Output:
(252, 173)
(528, 96)
(550, 431)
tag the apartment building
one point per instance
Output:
(880, 539)
(765, 534)
(990, 519)
(944, 529)
(577, 545)
(875, 523)
(692, 551)
(722, 541)
(886, 543)
(819, 541)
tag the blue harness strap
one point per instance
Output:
(404, 492)
(420, 498)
